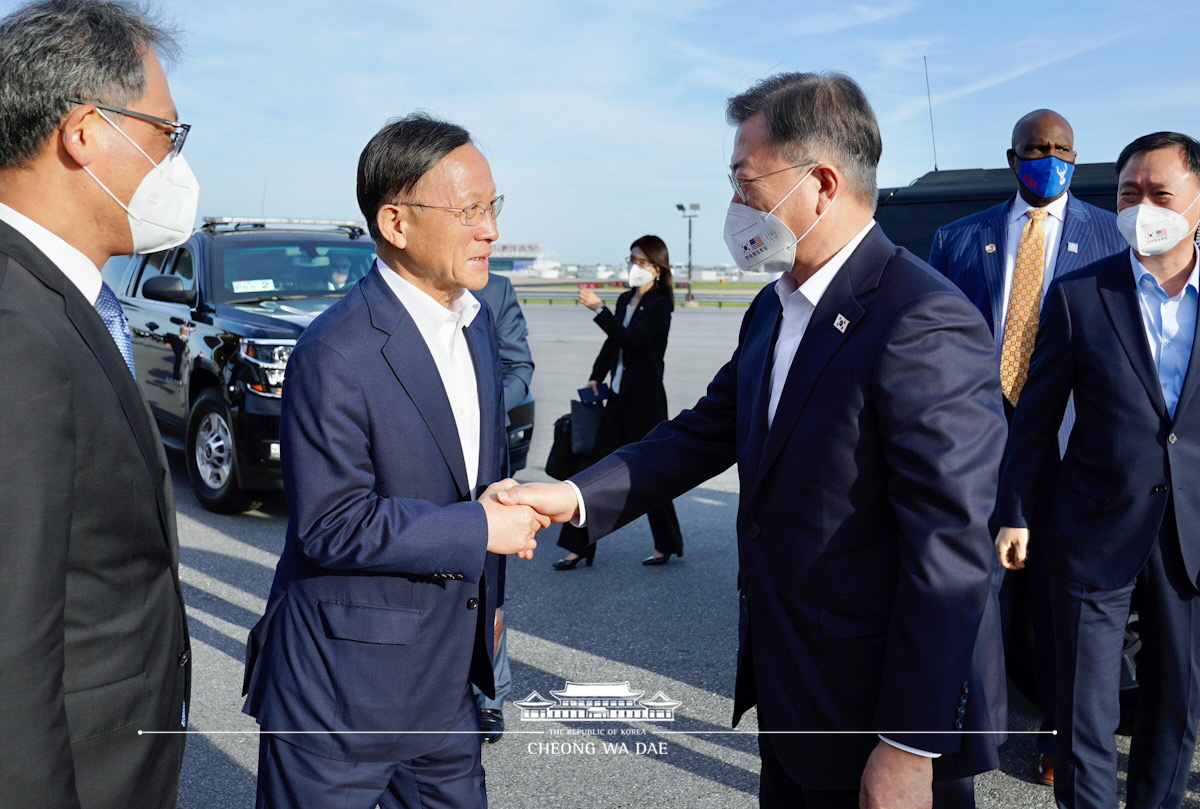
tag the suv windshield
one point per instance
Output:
(296, 268)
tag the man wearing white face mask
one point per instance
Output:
(863, 410)
(93, 638)
(1121, 335)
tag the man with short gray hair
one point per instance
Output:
(93, 638)
(863, 411)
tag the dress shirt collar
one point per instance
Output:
(816, 284)
(427, 313)
(1018, 207)
(1140, 272)
(73, 264)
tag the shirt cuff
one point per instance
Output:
(908, 749)
(582, 521)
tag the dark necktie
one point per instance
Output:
(114, 320)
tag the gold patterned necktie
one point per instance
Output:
(1024, 303)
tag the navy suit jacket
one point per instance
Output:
(1127, 458)
(959, 250)
(515, 360)
(864, 550)
(383, 604)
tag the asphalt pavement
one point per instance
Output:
(669, 630)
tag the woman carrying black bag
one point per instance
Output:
(632, 355)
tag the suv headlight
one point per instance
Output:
(266, 361)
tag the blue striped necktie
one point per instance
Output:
(114, 320)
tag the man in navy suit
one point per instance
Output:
(863, 410)
(979, 254)
(393, 444)
(1119, 335)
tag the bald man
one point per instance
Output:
(983, 255)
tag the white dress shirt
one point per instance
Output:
(74, 264)
(799, 301)
(442, 330)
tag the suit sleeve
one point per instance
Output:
(943, 428)
(1039, 413)
(341, 520)
(36, 485)
(674, 457)
(653, 322)
(516, 361)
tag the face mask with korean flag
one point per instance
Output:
(759, 241)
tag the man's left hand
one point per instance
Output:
(896, 779)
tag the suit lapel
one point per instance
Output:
(994, 233)
(832, 323)
(484, 358)
(94, 333)
(1119, 297)
(1074, 232)
(412, 364)
(755, 361)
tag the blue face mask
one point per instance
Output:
(1045, 177)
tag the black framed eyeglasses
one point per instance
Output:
(179, 130)
(737, 184)
(471, 214)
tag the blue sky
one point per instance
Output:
(599, 117)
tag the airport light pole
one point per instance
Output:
(689, 299)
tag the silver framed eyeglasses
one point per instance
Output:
(179, 131)
(471, 214)
(738, 184)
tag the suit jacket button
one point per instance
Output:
(472, 603)
(185, 657)
(753, 531)
(745, 603)
(1159, 489)
(1172, 438)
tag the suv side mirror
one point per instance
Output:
(168, 288)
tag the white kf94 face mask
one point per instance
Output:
(163, 207)
(759, 240)
(1151, 230)
(638, 276)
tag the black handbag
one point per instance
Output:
(585, 421)
(561, 463)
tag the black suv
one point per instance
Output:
(213, 323)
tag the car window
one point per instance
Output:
(115, 273)
(184, 267)
(150, 268)
(304, 267)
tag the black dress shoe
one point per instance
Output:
(569, 564)
(491, 725)
(657, 560)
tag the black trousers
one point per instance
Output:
(1090, 632)
(624, 423)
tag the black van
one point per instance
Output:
(911, 214)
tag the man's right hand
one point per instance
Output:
(1012, 546)
(555, 500)
(511, 528)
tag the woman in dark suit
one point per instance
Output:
(633, 356)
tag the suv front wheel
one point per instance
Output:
(211, 457)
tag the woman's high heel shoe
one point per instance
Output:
(658, 560)
(569, 564)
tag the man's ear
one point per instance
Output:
(78, 136)
(1012, 159)
(392, 221)
(830, 183)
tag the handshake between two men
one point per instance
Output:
(515, 512)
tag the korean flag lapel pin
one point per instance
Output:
(841, 322)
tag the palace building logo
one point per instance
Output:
(597, 702)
